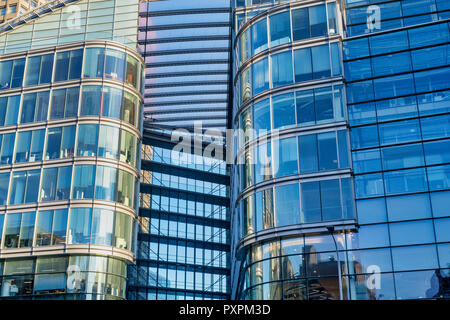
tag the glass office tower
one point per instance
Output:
(70, 131)
(183, 240)
(341, 191)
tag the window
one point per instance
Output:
(263, 162)
(125, 188)
(114, 65)
(4, 187)
(18, 68)
(310, 200)
(80, 226)
(280, 29)
(245, 85)
(108, 146)
(9, 110)
(7, 148)
(318, 20)
(391, 64)
(94, 63)
(303, 65)
(398, 132)
(405, 181)
(122, 231)
(331, 200)
(30, 145)
(133, 72)
(393, 86)
(308, 153)
(287, 205)
(102, 227)
(23, 146)
(12, 230)
(282, 69)
(364, 137)
(409, 207)
(324, 104)
(389, 42)
(64, 103)
(68, 65)
(127, 147)
(105, 183)
(39, 70)
(261, 117)
(83, 185)
(402, 157)
(300, 24)
(112, 102)
(35, 107)
(259, 36)
(283, 111)
(321, 61)
(285, 160)
(87, 140)
(327, 147)
(260, 76)
(56, 184)
(244, 46)
(415, 257)
(25, 187)
(437, 152)
(129, 108)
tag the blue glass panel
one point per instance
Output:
(439, 177)
(318, 20)
(259, 36)
(261, 116)
(321, 61)
(331, 200)
(371, 210)
(260, 76)
(4, 187)
(370, 237)
(406, 181)
(433, 103)
(80, 226)
(444, 255)
(282, 69)
(280, 31)
(364, 137)
(430, 57)
(305, 107)
(336, 59)
(7, 148)
(361, 260)
(310, 201)
(398, 108)
(283, 111)
(263, 164)
(91, 100)
(357, 48)
(398, 132)
(285, 160)
(417, 285)
(409, 207)
(360, 91)
(389, 42)
(393, 86)
(303, 65)
(413, 258)
(327, 147)
(442, 4)
(391, 64)
(358, 70)
(300, 24)
(17, 73)
(402, 157)
(324, 104)
(442, 226)
(362, 113)
(308, 153)
(414, 232)
(366, 161)
(437, 152)
(432, 80)
(287, 205)
(5, 74)
(428, 35)
(12, 112)
(87, 140)
(369, 185)
(83, 185)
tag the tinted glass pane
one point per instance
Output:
(261, 76)
(259, 36)
(87, 140)
(308, 153)
(80, 225)
(287, 205)
(285, 160)
(91, 100)
(280, 29)
(83, 186)
(283, 111)
(300, 24)
(282, 69)
(114, 65)
(303, 65)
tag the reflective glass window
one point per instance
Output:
(331, 200)
(94, 63)
(283, 111)
(310, 201)
(4, 186)
(114, 64)
(303, 65)
(287, 205)
(129, 108)
(414, 257)
(405, 181)
(39, 70)
(90, 100)
(409, 207)
(105, 183)
(87, 140)
(260, 76)
(321, 61)
(122, 231)
(282, 69)
(280, 32)
(327, 147)
(83, 184)
(102, 227)
(108, 146)
(7, 148)
(35, 107)
(402, 157)
(132, 73)
(112, 102)
(259, 36)
(79, 226)
(285, 159)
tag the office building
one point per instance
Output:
(341, 191)
(183, 239)
(70, 131)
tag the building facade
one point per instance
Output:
(10, 9)
(340, 191)
(70, 132)
(183, 239)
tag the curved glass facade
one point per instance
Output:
(70, 140)
(292, 167)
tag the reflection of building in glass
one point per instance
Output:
(361, 114)
(183, 240)
(70, 131)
